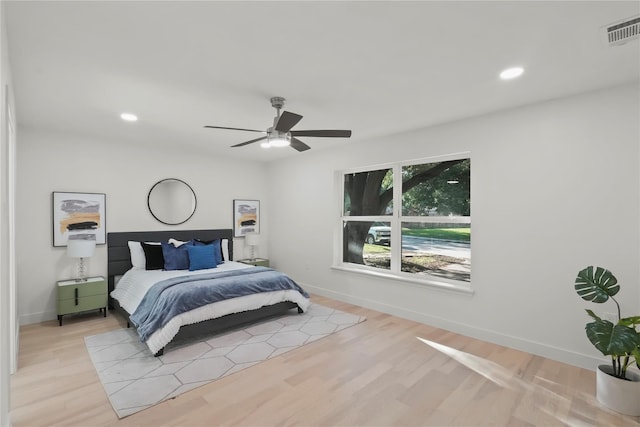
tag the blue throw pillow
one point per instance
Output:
(175, 258)
(201, 257)
(217, 246)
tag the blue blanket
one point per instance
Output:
(177, 295)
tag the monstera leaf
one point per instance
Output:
(630, 321)
(596, 285)
(612, 340)
(633, 322)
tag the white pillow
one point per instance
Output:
(138, 260)
(176, 243)
(225, 250)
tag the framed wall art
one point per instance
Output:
(78, 216)
(246, 217)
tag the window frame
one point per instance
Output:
(395, 220)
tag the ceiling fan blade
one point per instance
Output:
(328, 133)
(296, 144)
(286, 121)
(222, 127)
(242, 144)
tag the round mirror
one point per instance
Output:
(171, 201)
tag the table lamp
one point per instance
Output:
(81, 248)
(252, 239)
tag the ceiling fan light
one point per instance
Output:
(511, 73)
(279, 141)
(128, 117)
(265, 144)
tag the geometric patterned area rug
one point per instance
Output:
(135, 380)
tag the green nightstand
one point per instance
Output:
(257, 262)
(75, 296)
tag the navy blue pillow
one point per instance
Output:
(217, 244)
(153, 256)
(201, 257)
(175, 258)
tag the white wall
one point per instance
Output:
(50, 162)
(555, 187)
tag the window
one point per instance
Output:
(418, 229)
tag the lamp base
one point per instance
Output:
(81, 271)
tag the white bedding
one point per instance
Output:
(134, 284)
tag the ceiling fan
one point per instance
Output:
(281, 135)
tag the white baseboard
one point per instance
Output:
(539, 349)
(44, 316)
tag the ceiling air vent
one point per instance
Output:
(622, 31)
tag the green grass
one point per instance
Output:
(460, 234)
(375, 249)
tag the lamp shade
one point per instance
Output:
(80, 248)
(252, 239)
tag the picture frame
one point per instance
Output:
(78, 216)
(246, 217)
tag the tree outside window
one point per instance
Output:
(429, 215)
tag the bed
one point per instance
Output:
(131, 289)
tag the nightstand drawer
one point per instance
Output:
(93, 302)
(84, 289)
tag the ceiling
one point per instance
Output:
(377, 68)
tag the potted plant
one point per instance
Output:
(616, 386)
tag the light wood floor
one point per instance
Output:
(374, 373)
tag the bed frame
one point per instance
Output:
(119, 261)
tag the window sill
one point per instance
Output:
(406, 278)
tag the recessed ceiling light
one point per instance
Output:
(128, 117)
(511, 73)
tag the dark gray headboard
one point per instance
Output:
(119, 260)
